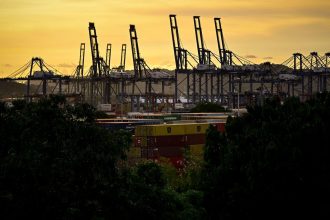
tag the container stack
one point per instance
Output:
(160, 116)
(172, 140)
(125, 124)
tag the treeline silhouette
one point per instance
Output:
(272, 162)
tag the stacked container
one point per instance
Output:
(172, 140)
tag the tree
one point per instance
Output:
(273, 162)
(54, 165)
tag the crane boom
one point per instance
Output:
(220, 41)
(123, 57)
(180, 54)
(108, 55)
(137, 61)
(95, 50)
(199, 40)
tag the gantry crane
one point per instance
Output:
(79, 72)
(96, 59)
(180, 54)
(204, 55)
(108, 55)
(225, 55)
(138, 62)
(122, 58)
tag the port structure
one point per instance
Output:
(42, 79)
(221, 77)
(205, 75)
(226, 76)
(154, 80)
(116, 86)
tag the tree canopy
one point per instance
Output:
(272, 162)
(56, 163)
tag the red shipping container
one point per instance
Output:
(170, 151)
(166, 141)
(221, 127)
(195, 139)
(137, 141)
(177, 162)
(140, 141)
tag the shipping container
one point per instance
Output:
(178, 162)
(141, 131)
(166, 141)
(160, 130)
(156, 152)
(116, 124)
(196, 128)
(140, 142)
(171, 129)
(221, 127)
(193, 139)
(196, 150)
(163, 117)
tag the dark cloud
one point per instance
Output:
(65, 65)
(251, 56)
(268, 58)
(7, 65)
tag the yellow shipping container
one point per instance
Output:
(196, 128)
(165, 130)
(171, 129)
(141, 130)
(196, 150)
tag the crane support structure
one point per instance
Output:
(80, 67)
(220, 41)
(123, 57)
(79, 72)
(202, 56)
(137, 61)
(108, 55)
(180, 54)
(97, 70)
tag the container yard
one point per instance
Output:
(125, 124)
(172, 141)
(170, 136)
(152, 103)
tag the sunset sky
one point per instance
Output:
(264, 30)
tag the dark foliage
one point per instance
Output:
(272, 163)
(55, 163)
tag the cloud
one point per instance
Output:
(66, 65)
(7, 65)
(268, 58)
(251, 56)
